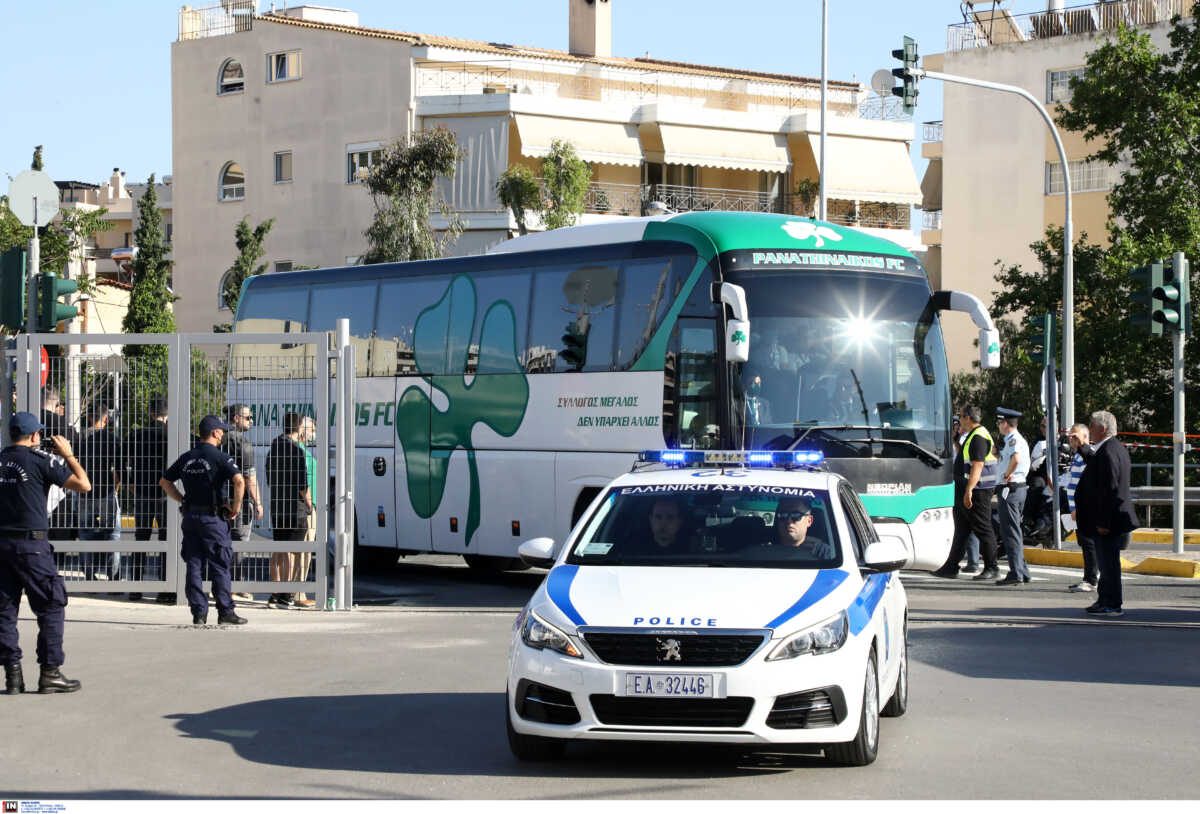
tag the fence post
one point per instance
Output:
(344, 474)
(179, 388)
(322, 382)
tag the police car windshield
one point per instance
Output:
(711, 525)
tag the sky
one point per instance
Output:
(92, 81)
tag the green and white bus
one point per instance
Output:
(498, 393)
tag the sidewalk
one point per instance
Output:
(1150, 553)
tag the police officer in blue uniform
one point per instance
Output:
(26, 557)
(204, 470)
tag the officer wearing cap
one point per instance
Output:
(26, 557)
(1011, 492)
(204, 470)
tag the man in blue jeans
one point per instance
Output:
(101, 456)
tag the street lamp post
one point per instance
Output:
(821, 213)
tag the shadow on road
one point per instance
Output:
(447, 733)
(434, 583)
(1100, 654)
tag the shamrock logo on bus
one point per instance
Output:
(443, 337)
(804, 229)
(738, 337)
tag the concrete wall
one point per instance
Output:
(353, 89)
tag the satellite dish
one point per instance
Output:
(882, 82)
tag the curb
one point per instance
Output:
(1165, 537)
(1152, 566)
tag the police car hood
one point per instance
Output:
(746, 598)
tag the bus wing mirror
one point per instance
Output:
(989, 337)
(737, 327)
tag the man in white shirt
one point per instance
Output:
(1014, 469)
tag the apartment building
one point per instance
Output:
(281, 113)
(995, 180)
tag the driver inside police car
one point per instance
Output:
(793, 518)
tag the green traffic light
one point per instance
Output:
(1147, 280)
(50, 310)
(908, 91)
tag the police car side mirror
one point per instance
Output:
(538, 552)
(886, 554)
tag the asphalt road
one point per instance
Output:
(1015, 694)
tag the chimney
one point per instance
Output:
(591, 28)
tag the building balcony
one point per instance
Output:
(231, 17)
(985, 27)
(931, 220)
(635, 199)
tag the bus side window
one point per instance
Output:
(690, 386)
(400, 303)
(353, 301)
(505, 294)
(573, 319)
(648, 288)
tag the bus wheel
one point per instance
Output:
(494, 565)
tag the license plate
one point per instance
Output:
(671, 685)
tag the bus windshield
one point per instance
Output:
(834, 358)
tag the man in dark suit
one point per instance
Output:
(1104, 510)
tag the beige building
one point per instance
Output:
(994, 171)
(281, 114)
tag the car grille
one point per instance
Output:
(547, 705)
(695, 650)
(808, 710)
(614, 710)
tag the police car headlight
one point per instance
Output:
(825, 637)
(539, 634)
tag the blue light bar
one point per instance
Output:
(737, 457)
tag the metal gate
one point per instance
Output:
(131, 404)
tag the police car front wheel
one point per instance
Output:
(863, 749)
(530, 747)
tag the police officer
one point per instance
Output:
(204, 469)
(26, 557)
(976, 473)
(1011, 492)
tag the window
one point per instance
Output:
(360, 158)
(283, 67)
(690, 386)
(222, 305)
(233, 182)
(273, 310)
(1058, 84)
(170, 227)
(574, 318)
(352, 301)
(648, 289)
(283, 265)
(231, 79)
(283, 167)
(127, 244)
(400, 303)
(501, 317)
(1086, 176)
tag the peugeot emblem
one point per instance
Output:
(668, 650)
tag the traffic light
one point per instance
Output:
(12, 289)
(907, 91)
(50, 310)
(574, 351)
(1172, 300)
(1146, 281)
(1045, 345)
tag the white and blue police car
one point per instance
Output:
(715, 596)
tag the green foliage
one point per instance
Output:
(807, 190)
(250, 250)
(150, 302)
(567, 177)
(519, 191)
(36, 164)
(402, 186)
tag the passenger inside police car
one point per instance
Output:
(665, 532)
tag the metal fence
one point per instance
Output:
(131, 404)
(987, 27)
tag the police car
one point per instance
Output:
(725, 597)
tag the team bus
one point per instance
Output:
(497, 394)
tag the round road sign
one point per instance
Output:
(45, 365)
(24, 189)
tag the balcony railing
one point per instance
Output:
(634, 199)
(602, 83)
(931, 131)
(987, 27)
(883, 108)
(931, 219)
(231, 17)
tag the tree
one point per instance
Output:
(250, 250)
(150, 301)
(567, 177)
(36, 164)
(519, 191)
(402, 186)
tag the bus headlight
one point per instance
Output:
(539, 634)
(825, 637)
(942, 515)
